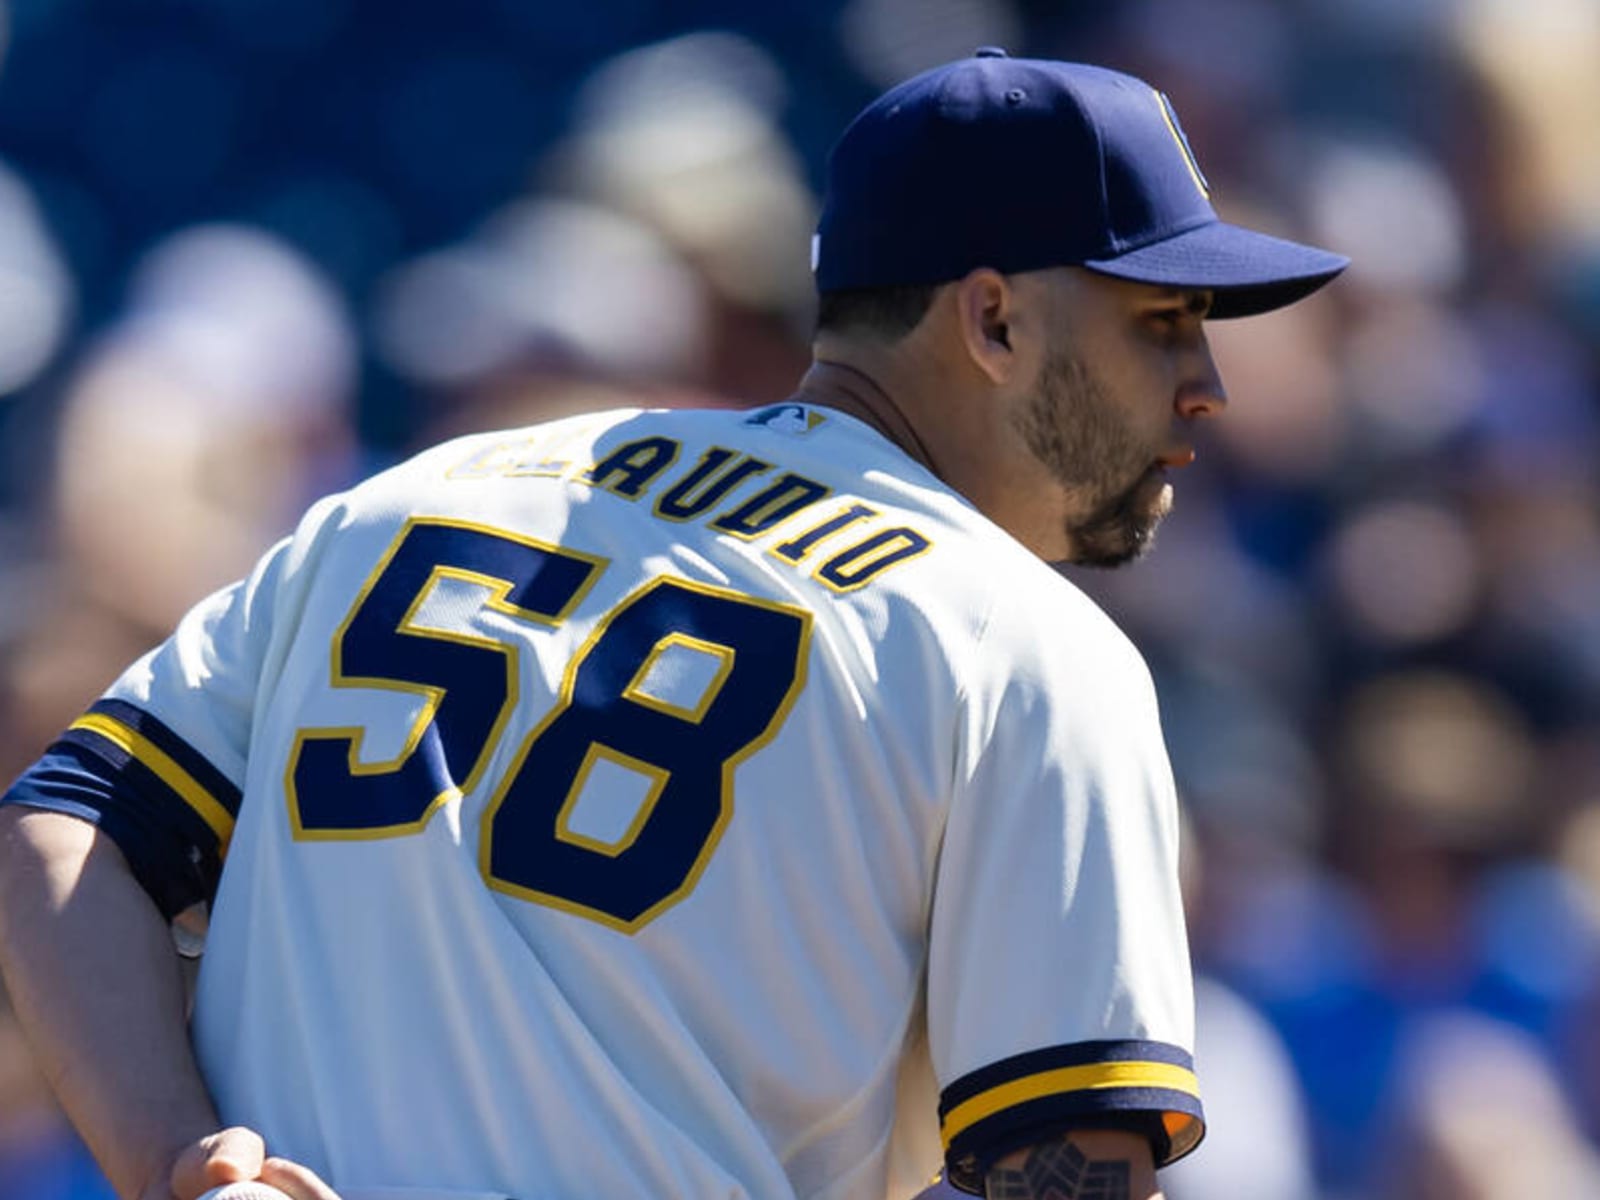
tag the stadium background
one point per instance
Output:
(253, 249)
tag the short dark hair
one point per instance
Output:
(886, 313)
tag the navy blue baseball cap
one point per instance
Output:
(1019, 164)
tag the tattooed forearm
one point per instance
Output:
(1059, 1171)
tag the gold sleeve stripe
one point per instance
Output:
(1090, 1077)
(166, 769)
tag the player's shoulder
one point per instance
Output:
(453, 458)
(1051, 612)
(1051, 635)
(425, 478)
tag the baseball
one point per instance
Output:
(249, 1190)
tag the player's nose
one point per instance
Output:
(1201, 394)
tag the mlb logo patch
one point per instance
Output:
(793, 419)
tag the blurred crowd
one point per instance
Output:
(251, 250)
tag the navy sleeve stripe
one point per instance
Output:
(105, 734)
(194, 764)
(116, 770)
(1046, 1092)
(1053, 1058)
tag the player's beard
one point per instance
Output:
(1076, 429)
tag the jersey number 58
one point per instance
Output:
(470, 687)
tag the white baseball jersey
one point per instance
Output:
(658, 804)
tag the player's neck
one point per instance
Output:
(850, 390)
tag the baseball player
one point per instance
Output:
(694, 804)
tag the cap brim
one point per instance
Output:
(1250, 272)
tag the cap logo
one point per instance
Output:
(1170, 116)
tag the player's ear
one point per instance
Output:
(985, 303)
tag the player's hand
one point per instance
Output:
(229, 1156)
(299, 1182)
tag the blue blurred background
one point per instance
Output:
(251, 250)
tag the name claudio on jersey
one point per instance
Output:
(844, 549)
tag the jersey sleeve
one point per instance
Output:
(1059, 987)
(158, 762)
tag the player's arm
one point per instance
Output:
(89, 963)
(123, 823)
(1060, 854)
(1087, 1165)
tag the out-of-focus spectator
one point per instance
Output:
(36, 293)
(196, 429)
(1482, 1117)
(203, 421)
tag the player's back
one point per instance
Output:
(596, 780)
